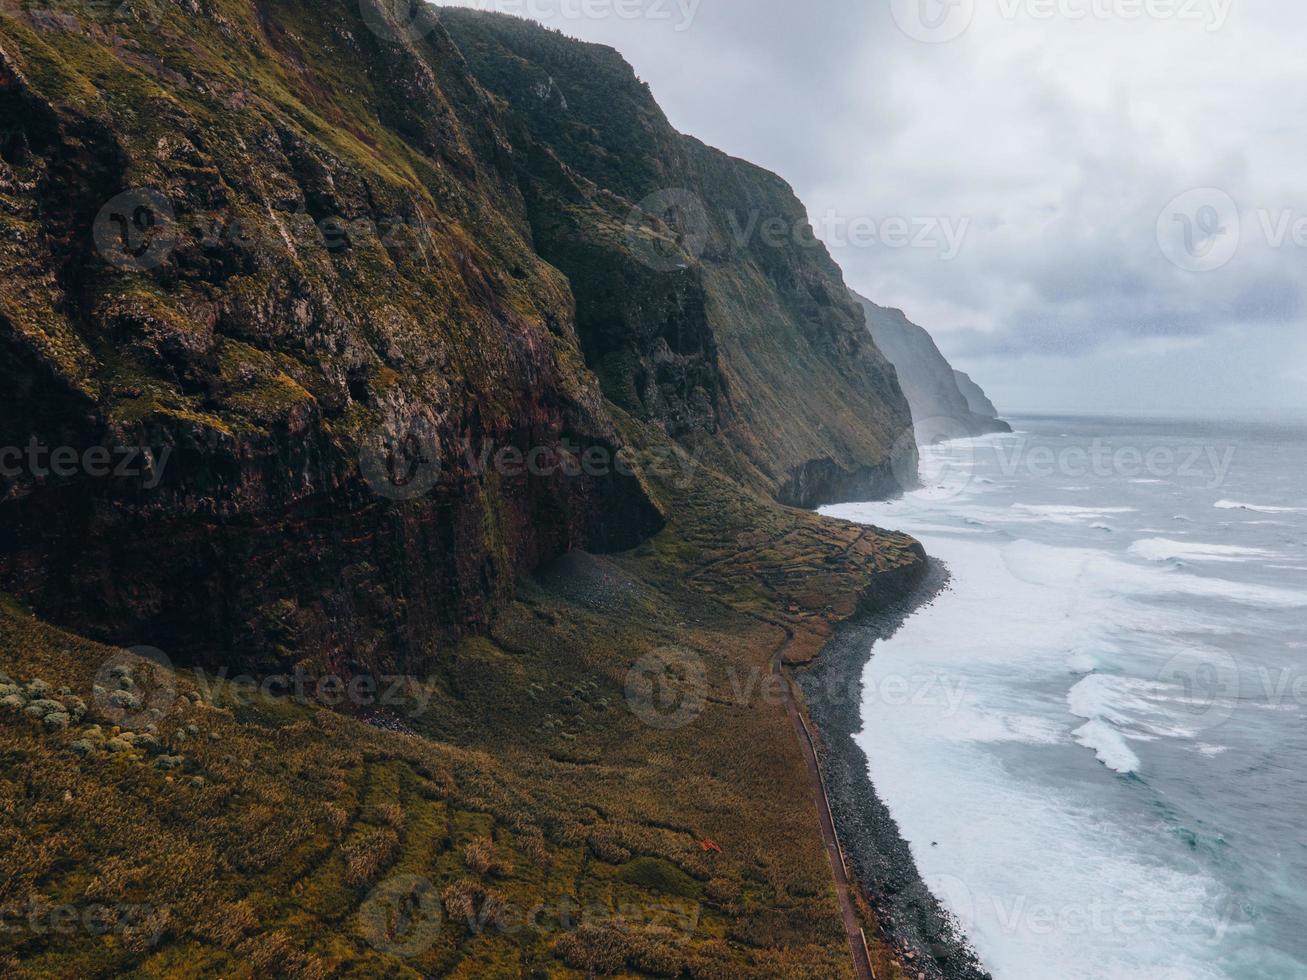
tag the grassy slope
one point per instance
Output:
(528, 741)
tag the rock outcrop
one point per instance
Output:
(942, 407)
(329, 342)
(977, 400)
(703, 300)
(345, 316)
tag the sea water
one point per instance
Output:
(1095, 741)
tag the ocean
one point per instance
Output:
(1095, 740)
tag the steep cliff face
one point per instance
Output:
(940, 408)
(281, 246)
(357, 312)
(704, 302)
(977, 400)
(310, 349)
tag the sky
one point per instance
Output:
(1103, 198)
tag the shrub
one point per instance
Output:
(368, 853)
(604, 846)
(275, 954)
(657, 958)
(472, 904)
(337, 817)
(227, 924)
(391, 814)
(480, 856)
(594, 949)
(537, 850)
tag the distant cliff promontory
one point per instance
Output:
(945, 403)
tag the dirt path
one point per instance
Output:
(862, 968)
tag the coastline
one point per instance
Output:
(879, 858)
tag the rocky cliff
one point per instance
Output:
(977, 400)
(703, 300)
(322, 279)
(941, 408)
(330, 344)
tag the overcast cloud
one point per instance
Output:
(1127, 174)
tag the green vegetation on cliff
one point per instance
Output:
(258, 239)
(516, 807)
(704, 301)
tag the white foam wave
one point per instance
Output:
(1064, 513)
(1017, 618)
(1109, 746)
(1259, 508)
(990, 727)
(1067, 510)
(1163, 549)
(1085, 569)
(1081, 663)
(1060, 650)
(1099, 696)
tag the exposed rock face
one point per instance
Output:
(265, 249)
(940, 407)
(704, 302)
(303, 256)
(977, 400)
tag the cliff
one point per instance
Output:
(977, 400)
(943, 404)
(703, 300)
(273, 251)
(299, 241)
(338, 350)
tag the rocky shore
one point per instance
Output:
(930, 943)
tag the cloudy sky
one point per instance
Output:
(1103, 198)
